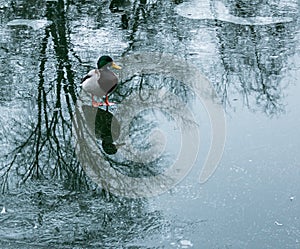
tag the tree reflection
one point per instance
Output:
(135, 154)
(255, 60)
(47, 147)
(44, 150)
(47, 151)
(76, 219)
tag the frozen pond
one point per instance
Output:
(201, 149)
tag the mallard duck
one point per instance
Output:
(101, 81)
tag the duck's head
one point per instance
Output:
(106, 61)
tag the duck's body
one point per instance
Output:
(101, 81)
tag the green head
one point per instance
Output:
(106, 61)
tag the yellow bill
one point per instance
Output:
(114, 65)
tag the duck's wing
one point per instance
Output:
(90, 83)
(93, 73)
(87, 76)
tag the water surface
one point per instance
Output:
(249, 52)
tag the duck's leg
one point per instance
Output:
(106, 102)
(95, 103)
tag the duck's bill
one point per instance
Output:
(114, 65)
(120, 145)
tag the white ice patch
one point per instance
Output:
(3, 210)
(34, 24)
(203, 9)
(185, 243)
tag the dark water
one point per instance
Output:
(250, 55)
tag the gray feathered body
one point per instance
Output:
(99, 82)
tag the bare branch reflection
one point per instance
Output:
(255, 60)
(48, 146)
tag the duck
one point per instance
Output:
(101, 81)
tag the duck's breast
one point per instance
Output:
(107, 81)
